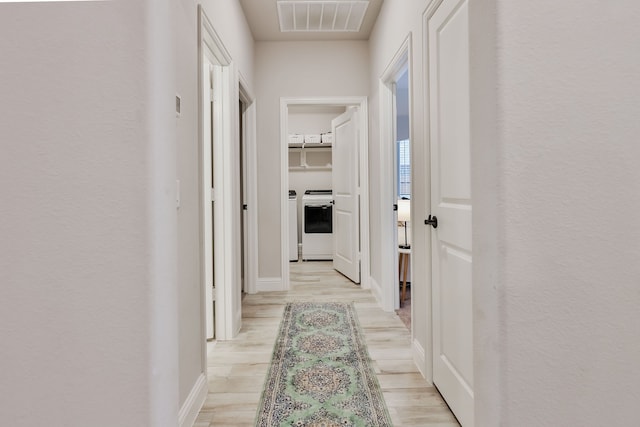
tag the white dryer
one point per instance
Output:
(317, 225)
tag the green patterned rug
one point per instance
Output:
(321, 372)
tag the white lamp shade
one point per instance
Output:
(404, 210)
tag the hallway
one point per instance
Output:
(237, 368)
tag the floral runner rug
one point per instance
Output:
(321, 372)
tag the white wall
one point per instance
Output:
(87, 260)
(402, 104)
(559, 343)
(287, 69)
(312, 119)
(189, 263)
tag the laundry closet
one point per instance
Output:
(310, 162)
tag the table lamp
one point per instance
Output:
(404, 215)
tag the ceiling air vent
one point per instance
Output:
(321, 15)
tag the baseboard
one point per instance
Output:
(376, 290)
(238, 322)
(192, 405)
(269, 284)
(420, 360)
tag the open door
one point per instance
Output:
(345, 183)
(208, 202)
(450, 219)
(219, 165)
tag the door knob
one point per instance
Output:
(432, 221)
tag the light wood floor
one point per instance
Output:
(237, 368)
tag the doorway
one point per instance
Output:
(207, 195)
(310, 169)
(395, 178)
(403, 190)
(217, 240)
(242, 206)
(295, 158)
(248, 183)
(218, 171)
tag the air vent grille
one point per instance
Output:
(321, 15)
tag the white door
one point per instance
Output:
(207, 167)
(345, 183)
(448, 41)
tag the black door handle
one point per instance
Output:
(432, 221)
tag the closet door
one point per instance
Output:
(448, 56)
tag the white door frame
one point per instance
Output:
(251, 184)
(388, 292)
(210, 45)
(363, 150)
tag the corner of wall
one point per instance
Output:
(488, 317)
(161, 218)
(376, 290)
(419, 358)
(192, 405)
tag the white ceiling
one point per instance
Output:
(262, 16)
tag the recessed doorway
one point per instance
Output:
(403, 188)
(395, 181)
(302, 117)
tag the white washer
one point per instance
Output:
(293, 226)
(317, 225)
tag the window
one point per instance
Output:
(403, 168)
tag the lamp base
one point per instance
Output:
(406, 242)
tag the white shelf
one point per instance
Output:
(304, 146)
(302, 156)
(309, 168)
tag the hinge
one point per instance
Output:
(212, 95)
(213, 293)
(213, 194)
